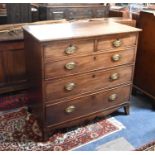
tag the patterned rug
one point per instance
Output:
(13, 100)
(19, 131)
(148, 147)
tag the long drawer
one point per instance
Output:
(65, 111)
(62, 50)
(75, 85)
(89, 63)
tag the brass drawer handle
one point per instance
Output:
(70, 109)
(116, 57)
(114, 76)
(70, 49)
(70, 65)
(113, 97)
(69, 86)
(117, 43)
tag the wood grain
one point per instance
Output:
(144, 78)
(86, 105)
(88, 63)
(2, 70)
(90, 69)
(73, 30)
(13, 66)
(127, 40)
(72, 11)
(56, 51)
(91, 82)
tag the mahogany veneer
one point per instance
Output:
(78, 71)
(144, 79)
(13, 75)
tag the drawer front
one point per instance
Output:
(75, 85)
(63, 50)
(55, 13)
(80, 13)
(101, 13)
(86, 105)
(89, 63)
(117, 42)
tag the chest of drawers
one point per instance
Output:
(72, 11)
(78, 71)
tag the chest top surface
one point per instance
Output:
(61, 31)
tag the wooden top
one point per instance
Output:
(9, 32)
(82, 29)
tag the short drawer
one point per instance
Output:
(65, 111)
(91, 82)
(117, 42)
(89, 63)
(62, 50)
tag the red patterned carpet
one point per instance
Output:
(13, 100)
(147, 147)
(19, 131)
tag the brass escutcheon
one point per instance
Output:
(114, 76)
(116, 57)
(70, 49)
(70, 86)
(70, 109)
(113, 97)
(117, 43)
(70, 65)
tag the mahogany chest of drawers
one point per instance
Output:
(79, 70)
